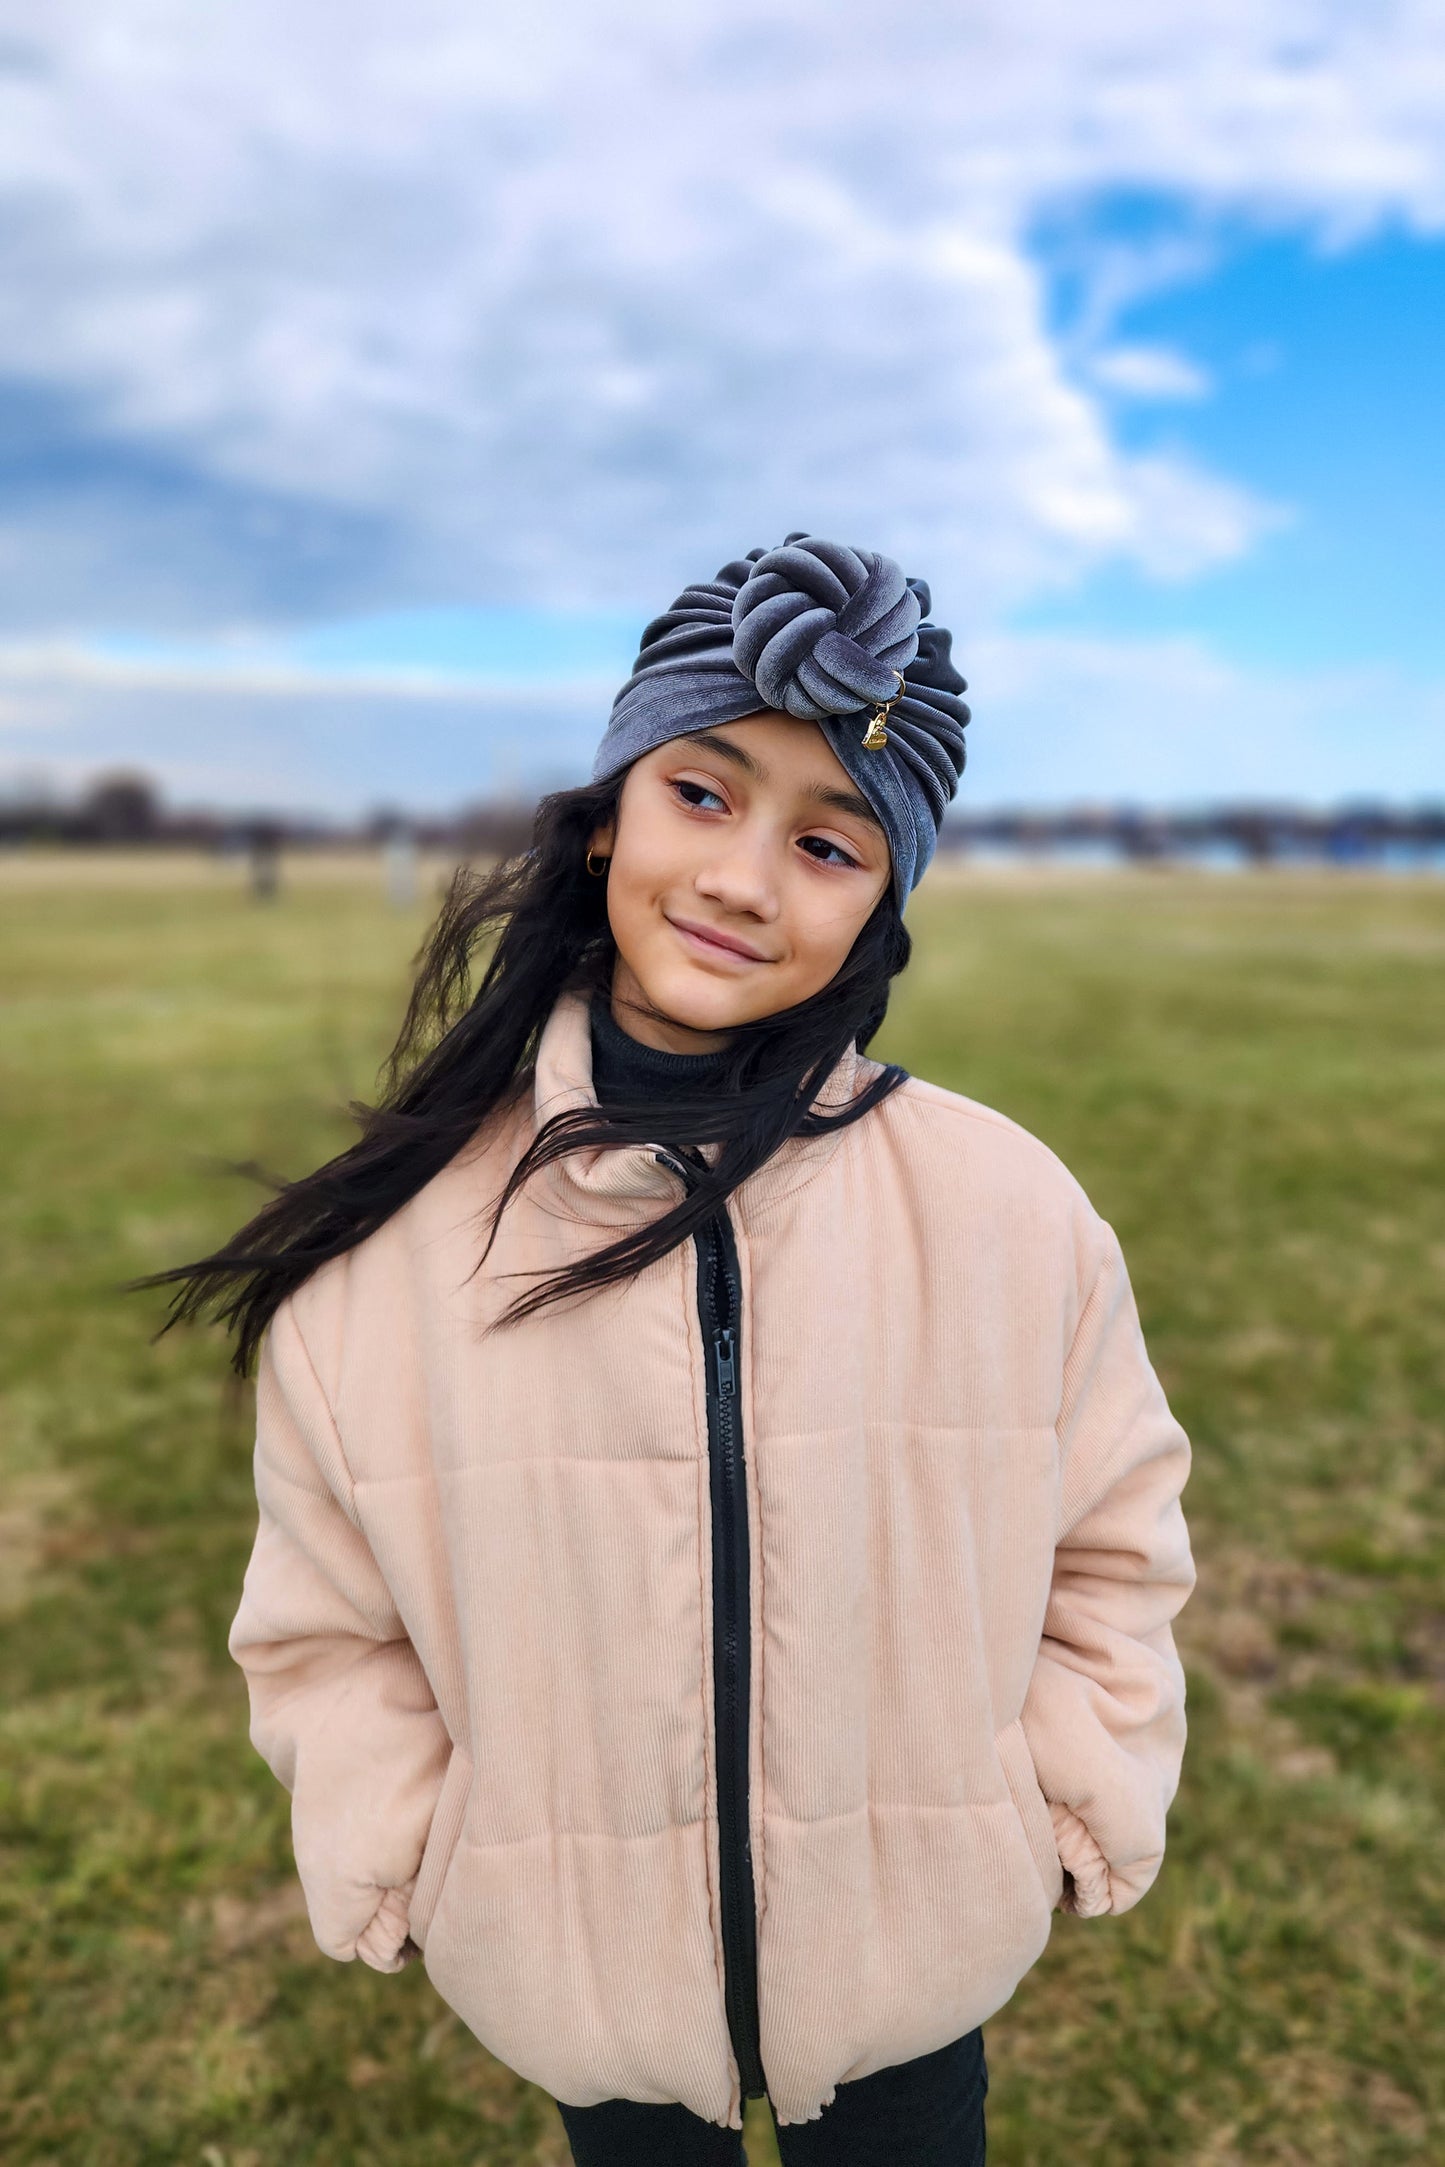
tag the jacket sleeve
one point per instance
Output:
(341, 1709)
(1104, 1714)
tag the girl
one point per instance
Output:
(720, 1660)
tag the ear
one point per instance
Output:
(602, 838)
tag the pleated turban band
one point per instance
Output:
(834, 635)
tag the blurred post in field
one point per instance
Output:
(264, 857)
(399, 856)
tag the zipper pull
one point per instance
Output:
(726, 1368)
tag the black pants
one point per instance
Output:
(927, 2112)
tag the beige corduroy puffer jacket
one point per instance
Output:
(725, 1677)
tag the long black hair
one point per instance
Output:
(461, 1055)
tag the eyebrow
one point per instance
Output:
(843, 801)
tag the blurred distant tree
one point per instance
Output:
(499, 828)
(1253, 833)
(121, 808)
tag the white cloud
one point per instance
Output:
(1057, 719)
(1149, 372)
(68, 666)
(331, 750)
(1060, 718)
(566, 303)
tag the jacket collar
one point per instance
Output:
(605, 1184)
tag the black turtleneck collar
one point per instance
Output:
(623, 1067)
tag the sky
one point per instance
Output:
(369, 377)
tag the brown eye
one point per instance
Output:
(696, 786)
(842, 855)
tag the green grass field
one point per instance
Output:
(1247, 1074)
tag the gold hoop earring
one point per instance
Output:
(597, 870)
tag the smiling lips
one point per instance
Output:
(715, 944)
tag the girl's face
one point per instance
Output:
(753, 831)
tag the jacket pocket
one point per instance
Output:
(1031, 1807)
(441, 1843)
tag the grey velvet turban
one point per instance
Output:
(823, 632)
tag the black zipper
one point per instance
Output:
(719, 1298)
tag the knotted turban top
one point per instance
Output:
(824, 632)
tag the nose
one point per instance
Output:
(743, 876)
